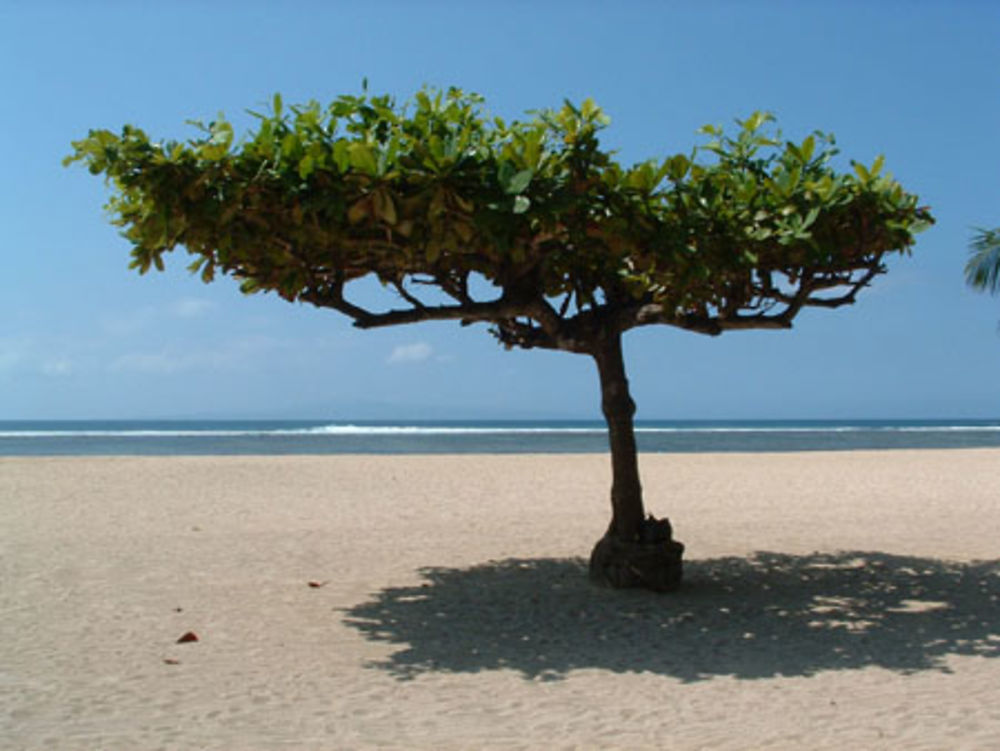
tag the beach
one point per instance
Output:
(831, 599)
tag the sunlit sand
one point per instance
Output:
(832, 600)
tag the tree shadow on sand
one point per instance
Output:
(767, 615)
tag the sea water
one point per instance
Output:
(275, 437)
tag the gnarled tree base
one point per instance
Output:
(653, 561)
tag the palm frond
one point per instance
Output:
(982, 270)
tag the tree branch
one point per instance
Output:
(730, 319)
(332, 296)
(402, 291)
(513, 333)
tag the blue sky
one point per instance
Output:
(83, 337)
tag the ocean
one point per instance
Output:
(276, 437)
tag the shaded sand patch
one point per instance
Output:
(760, 616)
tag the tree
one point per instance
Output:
(982, 271)
(528, 226)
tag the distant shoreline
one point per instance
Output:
(281, 437)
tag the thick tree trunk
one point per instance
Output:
(635, 551)
(618, 409)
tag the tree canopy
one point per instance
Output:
(742, 232)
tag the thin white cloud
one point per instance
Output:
(409, 353)
(149, 363)
(126, 324)
(236, 355)
(134, 321)
(59, 367)
(190, 307)
(11, 355)
(30, 355)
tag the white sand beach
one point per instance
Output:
(832, 600)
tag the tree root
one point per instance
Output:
(652, 561)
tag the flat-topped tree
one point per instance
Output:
(529, 227)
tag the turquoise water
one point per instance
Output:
(169, 437)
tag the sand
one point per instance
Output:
(832, 600)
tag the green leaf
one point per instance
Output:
(385, 208)
(463, 203)
(306, 166)
(877, 165)
(289, 144)
(807, 149)
(519, 181)
(810, 218)
(677, 167)
(521, 204)
(217, 145)
(758, 233)
(359, 211)
(756, 120)
(505, 173)
(363, 158)
(341, 155)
